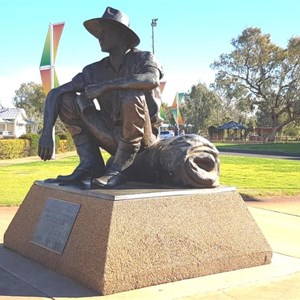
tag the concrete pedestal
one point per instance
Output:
(136, 236)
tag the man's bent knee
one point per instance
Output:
(68, 110)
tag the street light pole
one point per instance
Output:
(153, 24)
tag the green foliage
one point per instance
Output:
(60, 127)
(31, 97)
(70, 144)
(66, 142)
(292, 130)
(33, 141)
(13, 148)
(27, 145)
(62, 136)
(259, 75)
(57, 143)
(201, 108)
(165, 113)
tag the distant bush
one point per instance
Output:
(66, 143)
(27, 145)
(14, 148)
(33, 141)
(62, 135)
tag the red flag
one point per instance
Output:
(57, 31)
(162, 86)
(174, 104)
(46, 79)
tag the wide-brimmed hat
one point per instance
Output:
(116, 17)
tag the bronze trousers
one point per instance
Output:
(129, 123)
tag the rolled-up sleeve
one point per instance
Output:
(78, 82)
(148, 61)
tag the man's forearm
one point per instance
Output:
(52, 105)
(137, 82)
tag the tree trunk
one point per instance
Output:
(272, 136)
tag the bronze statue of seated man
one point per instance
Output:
(126, 86)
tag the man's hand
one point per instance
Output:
(96, 90)
(46, 144)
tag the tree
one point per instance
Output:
(165, 113)
(201, 107)
(31, 97)
(292, 130)
(259, 75)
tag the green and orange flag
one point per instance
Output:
(177, 100)
(162, 111)
(177, 116)
(47, 70)
(179, 97)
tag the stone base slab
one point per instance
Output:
(140, 235)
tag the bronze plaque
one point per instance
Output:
(55, 225)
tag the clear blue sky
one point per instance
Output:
(189, 36)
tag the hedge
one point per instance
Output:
(27, 145)
(34, 142)
(14, 148)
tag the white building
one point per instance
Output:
(13, 122)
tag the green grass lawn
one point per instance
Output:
(250, 175)
(16, 179)
(254, 176)
(291, 148)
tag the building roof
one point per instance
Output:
(3, 121)
(12, 113)
(9, 115)
(231, 125)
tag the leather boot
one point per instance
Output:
(91, 165)
(123, 159)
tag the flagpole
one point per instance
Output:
(47, 65)
(177, 97)
(51, 55)
(52, 80)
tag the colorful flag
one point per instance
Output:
(163, 113)
(46, 56)
(47, 70)
(174, 104)
(177, 116)
(57, 31)
(179, 97)
(162, 86)
(46, 78)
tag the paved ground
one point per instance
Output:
(279, 220)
